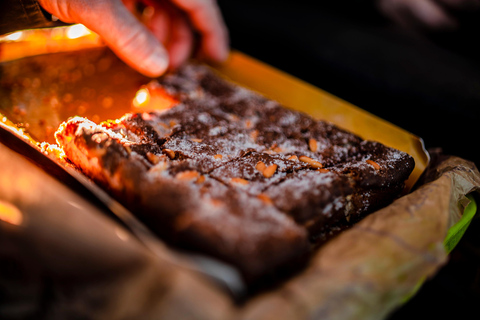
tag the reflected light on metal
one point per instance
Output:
(77, 31)
(142, 97)
(10, 213)
(16, 36)
(154, 97)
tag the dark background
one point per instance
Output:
(425, 82)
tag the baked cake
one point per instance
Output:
(232, 174)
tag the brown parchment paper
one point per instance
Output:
(68, 260)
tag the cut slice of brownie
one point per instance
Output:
(232, 174)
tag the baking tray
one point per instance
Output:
(240, 68)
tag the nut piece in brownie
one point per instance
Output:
(232, 174)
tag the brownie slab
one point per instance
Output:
(234, 175)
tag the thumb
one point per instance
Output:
(127, 37)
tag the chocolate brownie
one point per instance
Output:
(232, 174)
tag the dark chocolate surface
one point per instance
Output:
(232, 174)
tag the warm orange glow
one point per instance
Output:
(30, 42)
(141, 98)
(155, 96)
(53, 150)
(10, 213)
(77, 31)
(16, 36)
(7, 124)
(58, 33)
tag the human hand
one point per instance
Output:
(168, 43)
(426, 14)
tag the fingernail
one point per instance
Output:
(223, 54)
(218, 55)
(157, 63)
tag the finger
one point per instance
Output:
(431, 15)
(60, 10)
(397, 11)
(417, 13)
(460, 4)
(130, 4)
(159, 23)
(181, 42)
(206, 19)
(126, 36)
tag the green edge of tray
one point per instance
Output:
(454, 235)
(456, 232)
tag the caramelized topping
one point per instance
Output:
(187, 175)
(153, 158)
(373, 164)
(270, 171)
(170, 153)
(311, 162)
(265, 198)
(312, 144)
(260, 166)
(239, 181)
